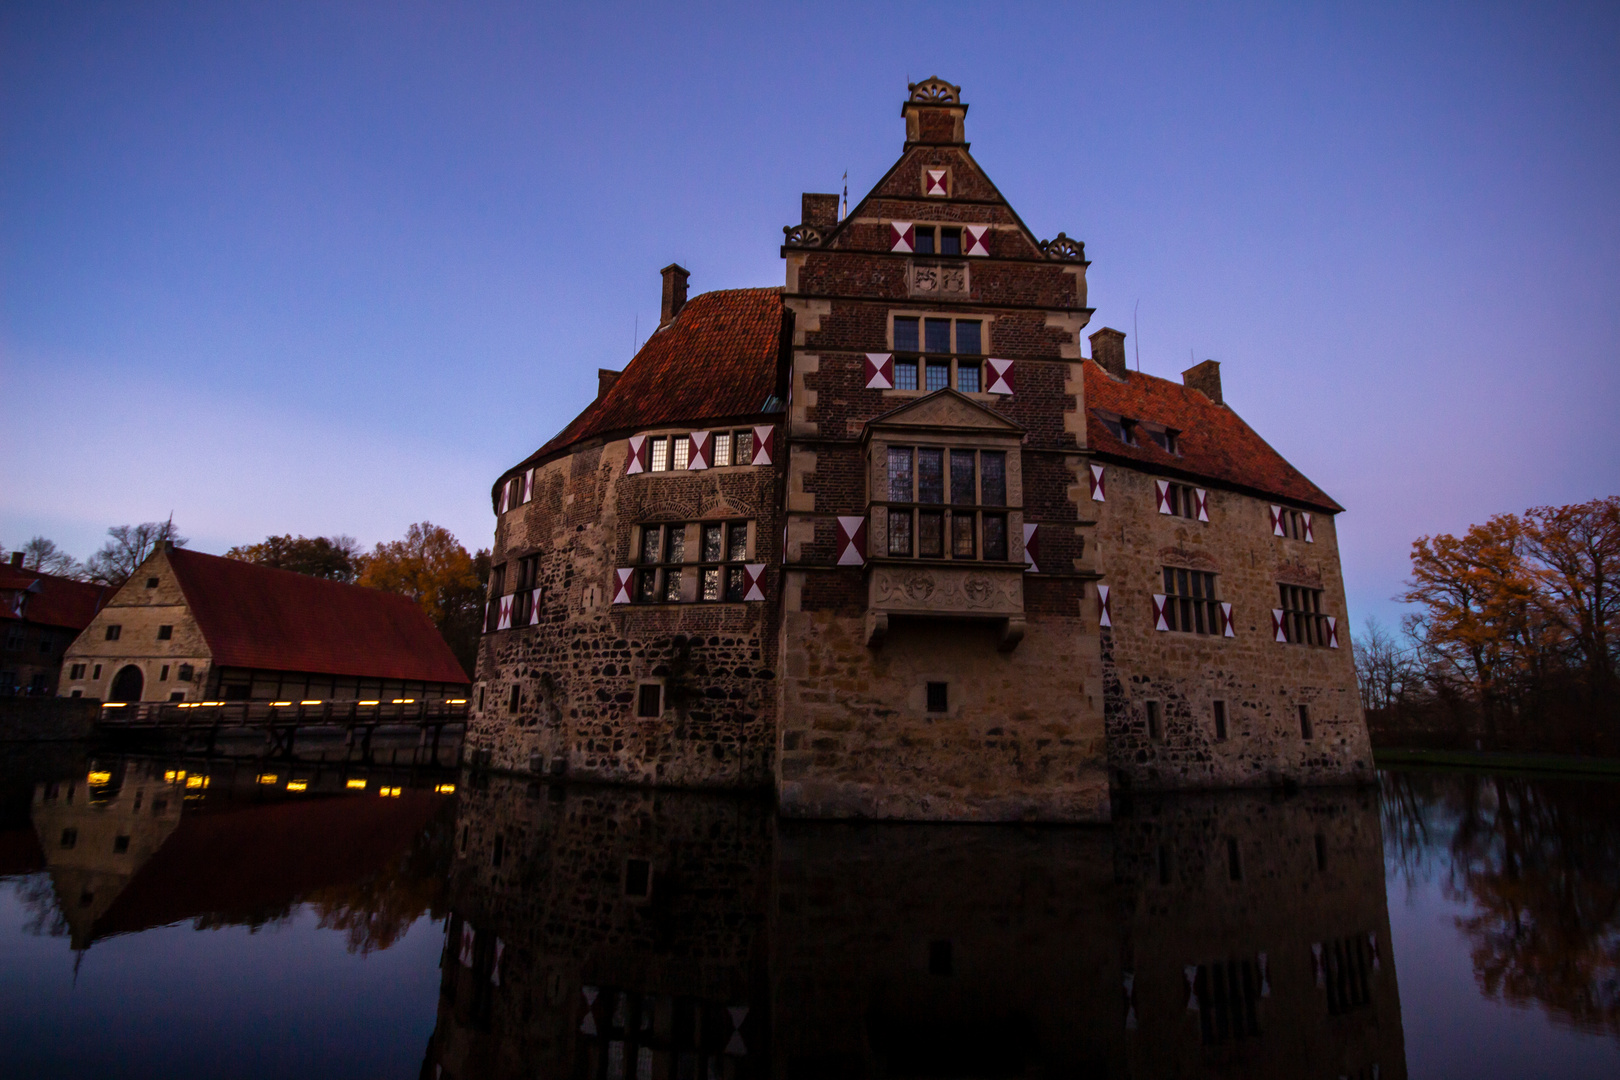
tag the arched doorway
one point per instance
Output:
(127, 684)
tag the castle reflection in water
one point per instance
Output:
(612, 933)
(596, 932)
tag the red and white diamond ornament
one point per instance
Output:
(1099, 488)
(1159, 622)
(1201, 500)
(937, 182)
(975, 240)
(702, 451)
(621, 586)
(879, 371)
(468, 937)
(528, 485)
(1226, 621)
(764, 444)
(1277, 520)
(851, 541)
(504, 620)
(753, 574)
(1310, 533)
(1105, 611)
(534, 608)
(1277, 631)
(1162, 488)
(1032, 548)
(902, 237)
(1001, 376)
(637, 461)
(1333, 632)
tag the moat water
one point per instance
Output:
(180, 917)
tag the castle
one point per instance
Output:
(885, 541)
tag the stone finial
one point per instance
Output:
(1205, 377)
(818, 210)
(675, 276)
(1108, 350)
(934, 114)
(605, 378)
(935, 91)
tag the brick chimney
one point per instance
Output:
(604, 381)
(1205, 377)
(16, 559)
(818, 210)
(675, 276)
(1108, 349)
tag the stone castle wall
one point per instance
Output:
(578, 669)
(1261, 681)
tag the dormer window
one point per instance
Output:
(1167, 439)
(1119, 427)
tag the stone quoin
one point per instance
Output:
(886, 542)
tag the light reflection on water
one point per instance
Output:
(152, 923)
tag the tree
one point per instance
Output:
(127, 547)
(1576, 550)
(432, 568)
(44, 556)
(1384, 670)
(336, 558)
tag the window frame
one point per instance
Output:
(1203, 613)
(1302, 625)
(911, 364)
(912, 511)
(730, 573)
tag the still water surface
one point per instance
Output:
(182, 918)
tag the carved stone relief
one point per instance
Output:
(939, 279)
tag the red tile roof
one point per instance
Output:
(718, 359)
(60, 601)
(246, 861)
(1215, 443)
(275, 620)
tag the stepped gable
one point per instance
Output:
(275, 620)
(58, 601)
(1215, 443)
(719, 359)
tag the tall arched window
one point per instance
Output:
(127, 684)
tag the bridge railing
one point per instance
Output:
(209, 714)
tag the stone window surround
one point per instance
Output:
(685, 432)
(691, 583)
(984, 319)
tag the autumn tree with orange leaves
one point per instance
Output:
(432, 568)
(1520, 607)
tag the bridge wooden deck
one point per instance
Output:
(281, 722)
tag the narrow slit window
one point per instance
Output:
(1305, 731)
(1155, 723)
(1220, 721)
(938, 697)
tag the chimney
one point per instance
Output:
(1108, 349)
(16, 559)
(818, 210)
(604, 381)
(675, 276)
(1205, 377)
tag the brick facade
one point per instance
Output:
(910, 657)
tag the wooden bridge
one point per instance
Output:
(280, 722)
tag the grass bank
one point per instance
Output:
(1494, 761)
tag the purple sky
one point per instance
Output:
(331, 268)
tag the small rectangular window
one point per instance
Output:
(177, 695)
(1303, 622)
(497, 853)
(906, 334)
(660, 454)
(70, 837)
(165, 633)
(937, 335)
(1189, 602)
(900, 532)
(676, 543)
(1305, 722)
(1234, 864)
(97, 673)
(649, 701)
(736, 584)
(711, 542)
(938, 697)
(950, 241)
(962, 535)
(1321, 852)
(672, 586)
(995, 537)
(680, 452)
(905, 374)
(962, 485)
(163, 675)
(742, 448)
(969, 337)
(1153, 721)
(637, 879)
(967, 377)
(514, 699)
(737, 542)
(923, 239)
(114, 631)
(711, 583)
(939, 375)
(722, 448)
(151, 583)
(1220, 721)
(120, 845)
(930, 475)
(652, 543)
(930, 534)
(647, 586)
(76, 671)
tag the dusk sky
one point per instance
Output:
(331, 268)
